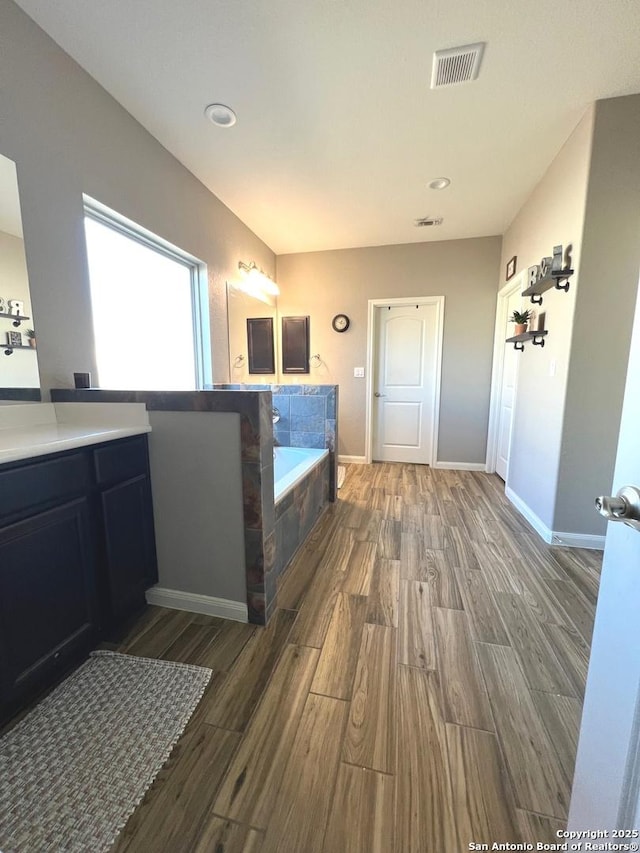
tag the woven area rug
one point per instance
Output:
(73, 771)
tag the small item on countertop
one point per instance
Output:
(82, 380)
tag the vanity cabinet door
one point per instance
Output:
(48, 612)
(129, 546)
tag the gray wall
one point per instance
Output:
(68, 137)
(323, 284)
(197, 502)
(554, 213)
(566, 426)
(609, 271)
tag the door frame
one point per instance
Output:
(397, 302)
(495, 401)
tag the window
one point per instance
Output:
(150, 313)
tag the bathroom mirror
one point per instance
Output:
(18, 357)
(243, 307)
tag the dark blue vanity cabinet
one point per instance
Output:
(77, 551)
(126, 532)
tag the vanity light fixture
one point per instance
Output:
(439, 184)
(260, 278)
(220, 115)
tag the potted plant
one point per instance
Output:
(520, 318)
(31, 335)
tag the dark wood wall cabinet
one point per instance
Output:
(260, 345)
(295, 345)
(77, 551)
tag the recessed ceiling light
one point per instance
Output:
(440, 184)
(221, 115)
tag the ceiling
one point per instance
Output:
(338, 131)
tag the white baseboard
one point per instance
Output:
(461, 466)
(579, 540)
(524, 509)
(194, 603)
(554, 537)
(451, 466)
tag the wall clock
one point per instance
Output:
(341, 323)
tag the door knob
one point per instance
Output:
(625, 506)
(378, 394)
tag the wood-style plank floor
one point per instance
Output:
(419, 687)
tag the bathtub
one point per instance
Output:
(291, 465)
(301, 495)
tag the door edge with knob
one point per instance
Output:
(624, 506)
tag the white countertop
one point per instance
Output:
(35, 429)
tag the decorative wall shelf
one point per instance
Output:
(536, 338)
(16, 318)
(9, 348)
(553, 279)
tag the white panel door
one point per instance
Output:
(507, 391)
(606, 788)
(404, 383)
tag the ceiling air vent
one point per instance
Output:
(456, 65)
(426, 221)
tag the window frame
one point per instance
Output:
(198, 277)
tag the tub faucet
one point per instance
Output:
(275, 415)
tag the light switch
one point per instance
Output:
(358, 372)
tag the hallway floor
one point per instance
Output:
(419, 688)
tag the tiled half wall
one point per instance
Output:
(254, 404)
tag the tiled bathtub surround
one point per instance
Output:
(296, 513)
(307, 418)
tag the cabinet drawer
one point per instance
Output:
(121, 460)
(43, 482)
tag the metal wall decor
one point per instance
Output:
(550, 272)
(13, 309)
